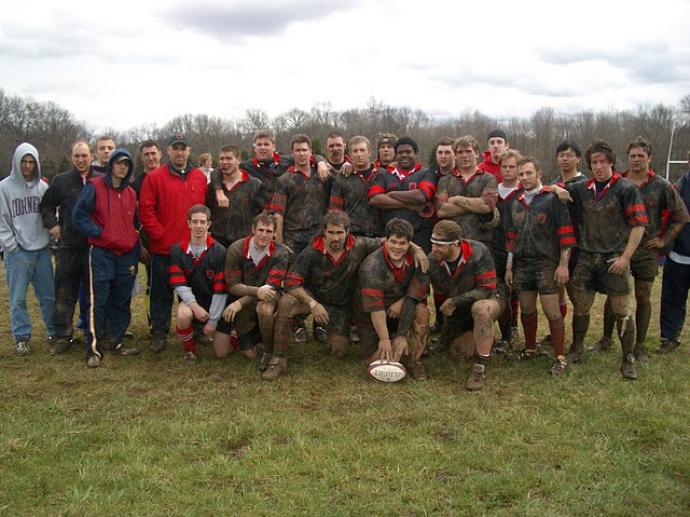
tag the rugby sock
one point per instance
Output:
(187, 337)
(609, 319)
(514, 308)
(580, 327)
(481, 359)
(557, 328)
(563, 308)
(529, 325)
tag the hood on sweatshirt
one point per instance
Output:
(118, 154)
(20, 152)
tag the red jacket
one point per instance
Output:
(163, 204)
(489, 166)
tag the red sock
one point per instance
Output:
(187, 337)
(564, 309)
(557, 329)
(529, 325)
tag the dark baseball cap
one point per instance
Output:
(178, 138)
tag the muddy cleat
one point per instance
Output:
(559, 366)
(158, 343)
(320, 334)
(276, 366)
(641, 354)
(93, 361)
(417, 371)
(61, 345)
(265, 359)
(667, 346)
(628, 367)
(603, 344)
(354, 334)
(300, 335)
(574, 355)
(501, 347)
(476, 380)
(22, 346)
(526, 354)
(119, 349)
(190, 357)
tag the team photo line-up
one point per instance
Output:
(360, 241)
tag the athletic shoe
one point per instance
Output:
(417, 371)
(158, 343)
(22, 346)
(265, 359)
(300, 335)
(603, 344)
(61, 345)
(526, 354)
(122, 350)
(628, 367)
(320, 334)
(476, 379)
(559, 366)
(190, 356)
(667, 346)
(276, 366)
(641, 354)
(93, 361)
(129, 334)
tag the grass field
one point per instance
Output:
(151, 435)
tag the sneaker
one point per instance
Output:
(320, 334)
(265, 359)
(158, 343)
(354, 334)
(514, 333)
(476, 380)
(641, 354)
(22, 346)
(122, 350)
(526, 354)
(628, 367)
(667, 346)
(501, 347)
(300, 335)
(93, 361)
(61, 345)
(603, 344)
(276, 366)
(573, 355)
(129, 334)
(559, 366)
(190, 356)
(417, 371)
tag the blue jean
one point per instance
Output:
(24, 268)
(674, 297)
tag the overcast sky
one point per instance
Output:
(123, 64)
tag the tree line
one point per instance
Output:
(52, 129)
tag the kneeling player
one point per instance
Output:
(539, 237)
(255, 268)
(391, 306)
(463, 276)
(197, 275)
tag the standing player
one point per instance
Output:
(611, 219)
(197, 274)
(244, 195)
(350, 193)
(497, 143)
(392, 315)
(445, 157)
(335, 145)
(463, 276)
(539, 239)
(659, 199)
(406, 191)
(385, 148)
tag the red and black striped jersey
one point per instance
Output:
(351, 195)
(271, 270)
(204, 275)
(604, 218)
(538, 230)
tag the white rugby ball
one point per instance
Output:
(386, 371)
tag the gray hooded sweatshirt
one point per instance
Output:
(21, 226)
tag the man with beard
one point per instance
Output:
(463, 276)
(406, 191)
(350, 193)
(390, 303)
(243, 192)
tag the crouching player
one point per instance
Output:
(255, 268)
(392, 315)
(463, 276)
(197, 275)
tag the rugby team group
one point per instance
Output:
(362, 240)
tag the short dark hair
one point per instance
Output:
(335, 134)
(464, 142)
(447, 230)
(529, 159)
(231, 148)
(446, 140)
(300, 138)
(264, 218)
(399, 228)
(149, 143)
(199, 209)
(406, 140)
(642, 143)
(565, 145)
(600, 146)
(265, 133)
(336, 218)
